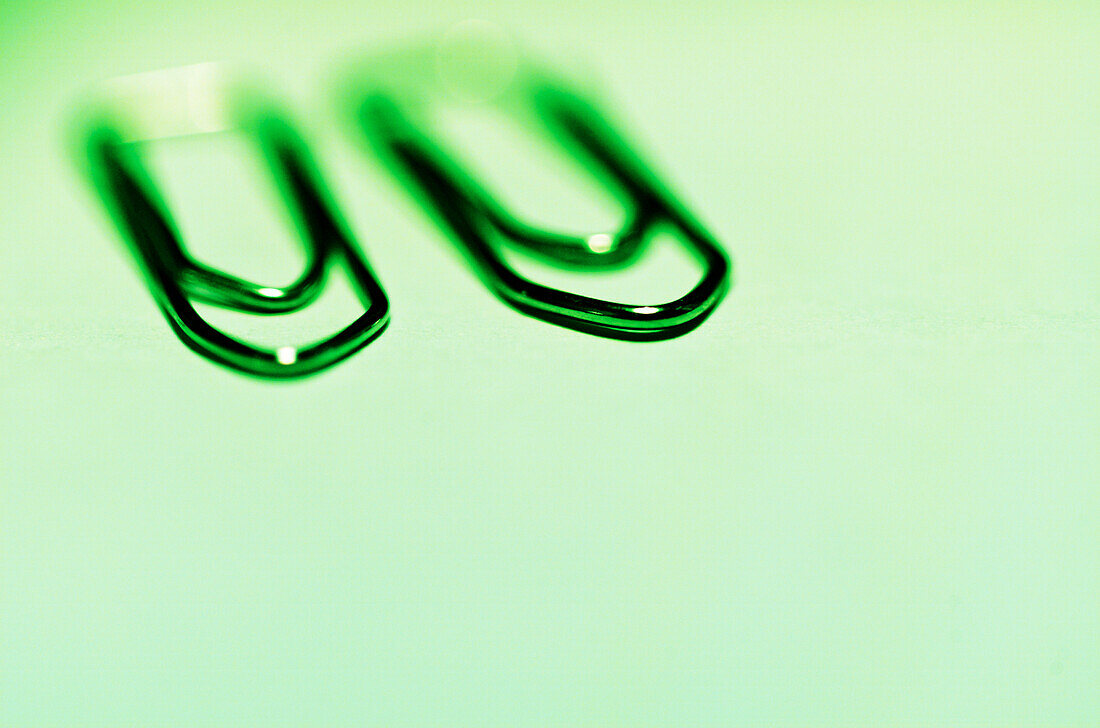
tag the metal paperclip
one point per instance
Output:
(385, 96)
(175, 278)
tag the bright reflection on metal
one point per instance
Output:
(599, 243)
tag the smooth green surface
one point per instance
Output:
(864, 492)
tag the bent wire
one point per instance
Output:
(175, 278)
(385, 109)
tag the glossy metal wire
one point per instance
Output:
(480, 224)
(175, 278)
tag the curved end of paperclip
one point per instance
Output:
(283, 363)
(626, 322)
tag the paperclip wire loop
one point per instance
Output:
(175, 278)
(385, 112)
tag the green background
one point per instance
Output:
(863, 493)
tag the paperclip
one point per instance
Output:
(175, 278)
(384, 108)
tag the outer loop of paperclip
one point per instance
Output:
(479, 223)
(176, 279)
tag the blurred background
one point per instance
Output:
(864, 492)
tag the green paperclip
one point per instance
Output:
(175, 278)
(386, 95)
